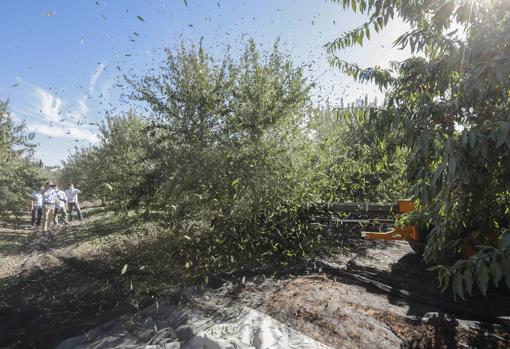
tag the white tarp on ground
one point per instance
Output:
(193, 327)
(252, 330)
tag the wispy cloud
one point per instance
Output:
(49, 115)
(49, 106)
(97, 74)
(76, 133)
(81, 108)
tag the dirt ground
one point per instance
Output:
(53, 287)
(349, 312)
(375, 295)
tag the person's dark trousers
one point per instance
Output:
(36, 215)
(76, 206)
(59, 211)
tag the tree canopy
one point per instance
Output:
(19, 173)
(230, 155)
(451, 99)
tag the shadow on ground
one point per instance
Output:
(40, 307)
(61, 297)
(26, 239)
(433, 318)
(57, 296)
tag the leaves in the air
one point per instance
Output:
(124, 269)
(140, 18)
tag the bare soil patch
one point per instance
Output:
(56, 286)
(347, 316)
(60, 287)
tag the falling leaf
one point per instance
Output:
(136, 34)
(190, 25)
(140, 18)
(187, 237)
(186, 2)
(98, 3)
(14, 85)
(218, 4)
(103, 16)
(124, 269)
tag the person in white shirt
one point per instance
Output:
(49, 197)
(60, 206)
(37, 202)
(72, 202)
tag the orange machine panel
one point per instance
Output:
(404, 233)
(405, 206)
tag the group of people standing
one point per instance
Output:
(49, 203)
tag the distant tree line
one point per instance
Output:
(19, 172)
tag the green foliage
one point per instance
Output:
(354, 158)
(491, 263)
(222, 167)
(452, 101)
(19, 174)
(112, 169)
(83, 170)
(232, 156)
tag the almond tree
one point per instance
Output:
(452, 99)
(19, 172)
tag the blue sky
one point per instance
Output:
(62, 61)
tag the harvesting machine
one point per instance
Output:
(381, 219)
